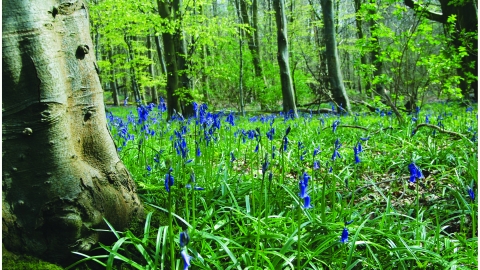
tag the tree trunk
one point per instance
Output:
(61, 172)
(113, 81)
(363, 56)
(151, 69)
(170, 61)
(282, 57)
(338, 89)
(160, 55)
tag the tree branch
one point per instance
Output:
(455, 134)
(423, 11)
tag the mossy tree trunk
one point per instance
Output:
(61, 172)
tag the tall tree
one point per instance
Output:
(62, 174)
(336, 79)
(282, 57)
(464, 36)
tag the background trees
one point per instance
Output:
(385, 50)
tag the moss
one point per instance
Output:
(14, 261)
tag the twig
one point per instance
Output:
(441, 130)
(349, 126)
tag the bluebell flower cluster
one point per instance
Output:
(357, 150)
(415, 172)
(336, 154)
(344, 237)
(184, 239)
(303, 185)
(471, 193)
(169, 180)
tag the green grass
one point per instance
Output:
(247, 219)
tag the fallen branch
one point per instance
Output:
(452, 133)
(348, 126)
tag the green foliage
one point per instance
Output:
(242, 219)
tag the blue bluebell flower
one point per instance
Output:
(344, 237)
(305, 178)
(232, 157)
(162, 106)
(365, 139)
(184, 239)
(356, 151)
(149, 168)
(303, 189)
(471, 193)
(169, 180)
(270, 133)
(316, 151)
(186, 259)
(285, 143)
(316, 165)
(265, 166)
(270, 176)
(306, 202)
(427, 119)
(335, 125)
(415, 172)
(231, 119)
(336, 154)
(189, 186)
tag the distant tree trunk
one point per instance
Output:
(363, 56)
(185, 86)
(282, 57)
(171, 61)
(61, 172)
(338, 89)
(241, 34)
(113, 81)
(161, 58)
(151, 69)
(252, 38)
(133, 77)
(466, 23)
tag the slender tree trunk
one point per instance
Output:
(161, 58)
(61, 172)
(113, 81)
(338, 89)
(363, 56)
(151, 69)
(252, 38)
(282, 57)
(170, 61)
(133, 77)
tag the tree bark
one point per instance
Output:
(282, 57)
(61, 172)
(333, 63)
(170, 61)
(151, 69)
(113, 81)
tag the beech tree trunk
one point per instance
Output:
(61, 172)
(333, 62)
(282, 57)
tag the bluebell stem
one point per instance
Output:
(169, 180)
(415, 172)
(265, 166)
(471, 193)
